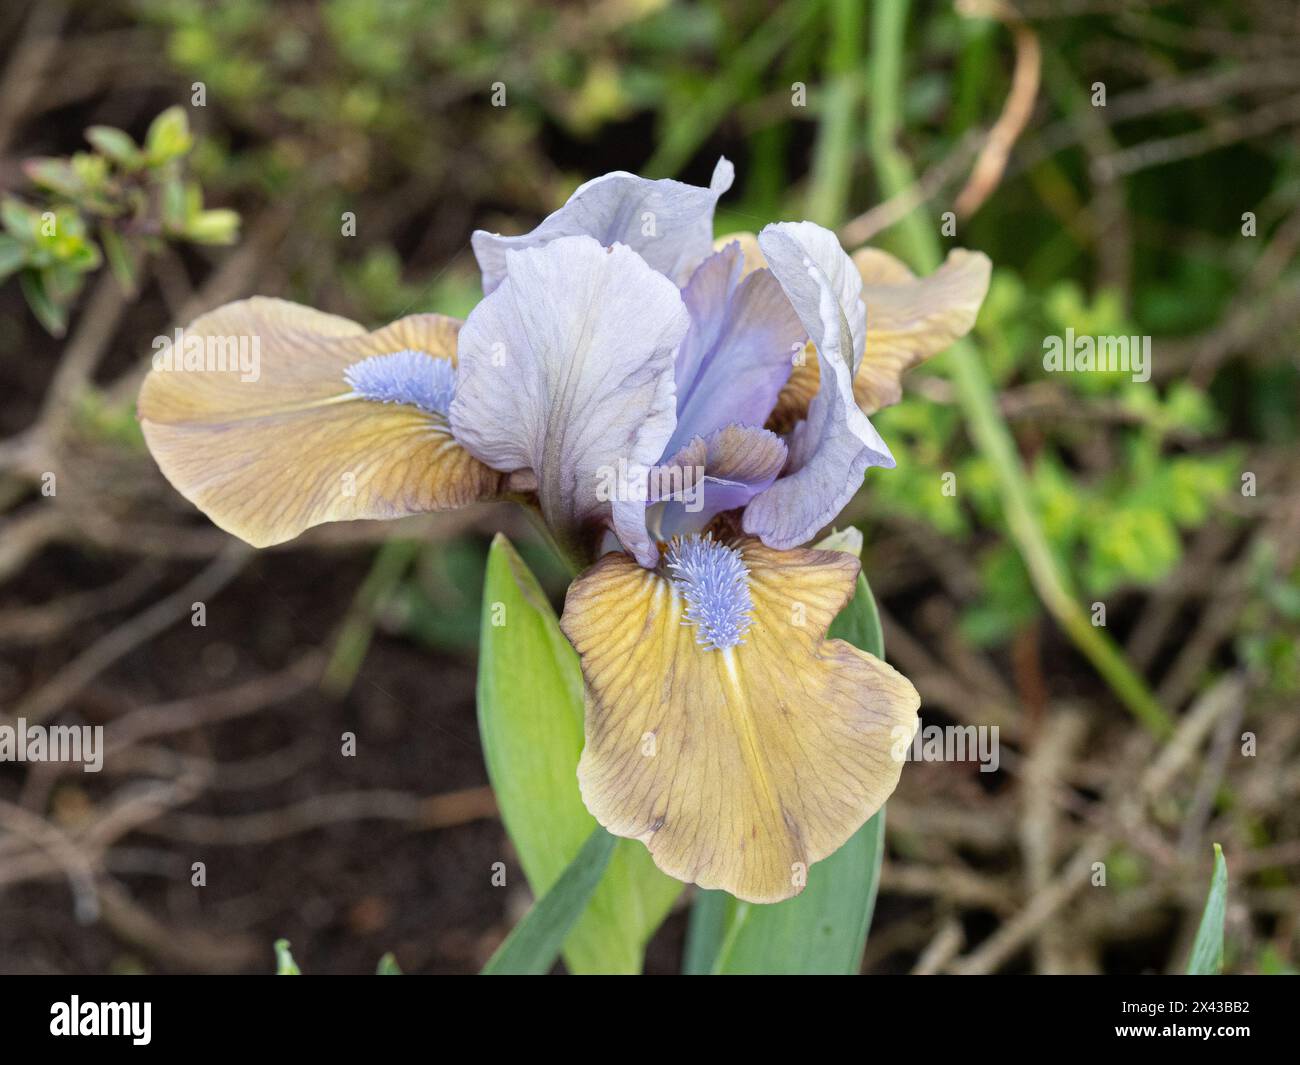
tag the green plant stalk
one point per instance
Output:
(975, 391)
(391, 563)
(567, 557)
(832, 165)
(689, 129)
(534, 943)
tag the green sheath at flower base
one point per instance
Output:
(530, 723)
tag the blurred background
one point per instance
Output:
(1130, 168)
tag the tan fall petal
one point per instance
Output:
(269, 457)
(737, 768)
(909, 319)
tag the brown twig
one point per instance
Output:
(1016, 110)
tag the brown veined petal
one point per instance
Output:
(269, 453)
(909, 319)
(737, 768)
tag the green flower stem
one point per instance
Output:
(392, 561)
(568, 558)
(976, 395)
(832, 166)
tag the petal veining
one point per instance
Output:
(708, 475)
(738, 351)
(566, 371)
(753, 255)
(737, 767)
(909, 319)
(269, 453)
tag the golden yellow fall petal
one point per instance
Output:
(737, 768)
(269, 454)
(909, 319)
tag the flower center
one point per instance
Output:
(408, 376)
(715, 583)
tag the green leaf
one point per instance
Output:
(117, 145)
(284, 963)
(859, 621)
(175, 205)
(711, 915)
(91, 172)
(21, 221)
(534, 944)
(530, 711)
(13, 255)
(122, 259)
(218, 226)
(168, 136)
(52, 316)
(824, 928)
(57, 175)
(1207, 951)
(388, 966)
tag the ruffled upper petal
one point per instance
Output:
(270, 453)
(668, 223)
(738, 351)
(566, 370)
(709, 475)
(834, 445)
(739, 462)
(909, 319)
(738, 745)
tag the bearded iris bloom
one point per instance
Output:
(723, 729)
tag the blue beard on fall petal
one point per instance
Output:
(715, 583)
(412, 377)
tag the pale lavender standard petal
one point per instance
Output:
(737, 353)
(668, 223)
(565, 370)
(709, 475)
(832, 448)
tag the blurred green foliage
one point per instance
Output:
(385, 109)
(1269, 631)
(129, 197)
(302, 113)
(351, 104)
(1112, 499)
(440, 605)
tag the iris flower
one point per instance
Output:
(685, 416)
